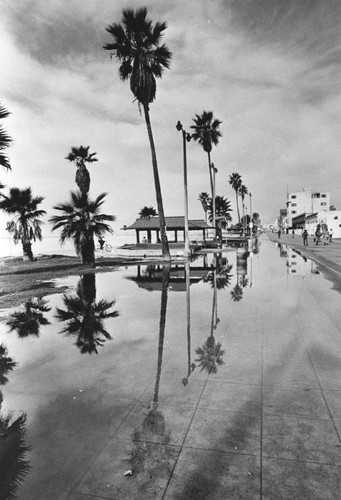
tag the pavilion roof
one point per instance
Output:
(177, 222)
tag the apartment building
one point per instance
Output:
(306, 202)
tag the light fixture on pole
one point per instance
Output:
(186, 137)
(251, 222)
(214, 171)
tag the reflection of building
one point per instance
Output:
(306, 202)
(150, 277)
(298, 265)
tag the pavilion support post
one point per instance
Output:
(149, 236)
(176, 235)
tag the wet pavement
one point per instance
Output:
(222, 383)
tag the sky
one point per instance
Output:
(268, 69)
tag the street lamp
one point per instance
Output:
(251, 222)
(186, 137)
(214, 171)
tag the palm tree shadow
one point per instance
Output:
(85, 316)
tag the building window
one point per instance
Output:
(293, 197)
(323, 196)
(294, 204)
(336, 217)
(293, 211)
(323, 204)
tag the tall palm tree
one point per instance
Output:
(137, 45)
(222, 213)
(204, 200)
(85, 316)
(28, 322)
(80, 222)
(147, 212)
(235, 182)
(243, 191)
(5, 140)
(206, 133)
(81, 156)
(25, 226)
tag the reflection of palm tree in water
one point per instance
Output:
(13, 465)
(210, 354)
(190, 366)
(28, 322)
(154, 422)
(85, 316)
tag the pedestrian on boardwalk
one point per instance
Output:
(305, 237)
(293, 232)
(317, 238)
(330, 235)
(279, 233)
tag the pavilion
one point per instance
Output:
(175, 225)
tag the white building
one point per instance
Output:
(332, 218)
(306, 202)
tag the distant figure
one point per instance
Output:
(305, 237)
(317, 238)
(144, 241)
(279, 233)
(293, 232)
(330, 235)
(101, 242)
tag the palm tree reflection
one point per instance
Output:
(28, 322)
(210, 354)
(13, 465)
(153, 426)
(85, 316)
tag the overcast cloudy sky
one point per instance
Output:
(268, 69)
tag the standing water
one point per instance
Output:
(207, 380)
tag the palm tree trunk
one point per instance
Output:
(26, 242)
(162, 221)
(212, 192)
(88, 252)
(237, 207)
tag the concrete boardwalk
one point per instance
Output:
(266, 425)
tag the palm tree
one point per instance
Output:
(81, 156)
(85, 316)
(206, 133)
(210, 355)
(147, 212)
(242, 192)
(80, 222)
(28, 322)
(222, 213)
(236, 181)
(137, 45)
(6, 365)
(5, 140)
(25, 226)
(204, 200)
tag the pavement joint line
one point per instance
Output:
(318, 378)
(261, 400)
(223, 452)
(184, 439)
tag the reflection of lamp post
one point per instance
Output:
(185, 137)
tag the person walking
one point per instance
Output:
(292, 232)
(279, 233)
(330, 235)
(317, 236)
(305, 237)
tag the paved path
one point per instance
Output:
(329, 255)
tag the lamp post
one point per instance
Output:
(251, 222)
(214, 171)
(186, 137)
